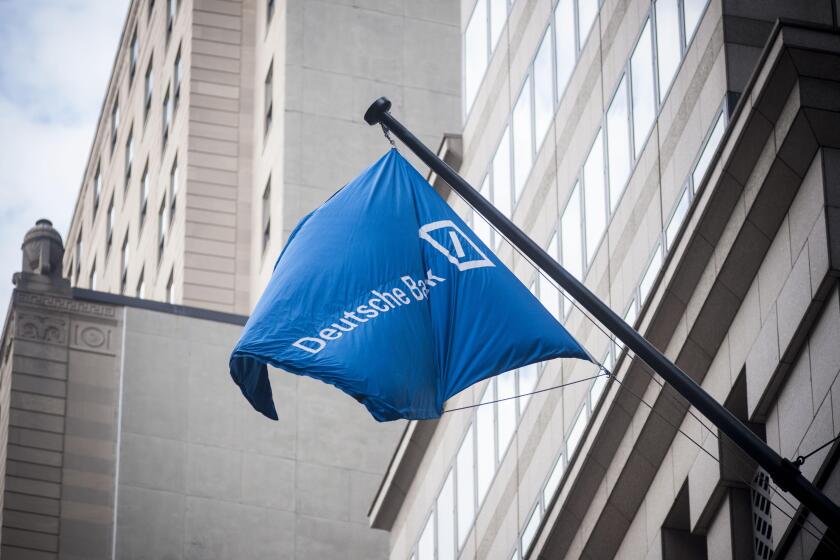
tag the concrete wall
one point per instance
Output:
(202, 475)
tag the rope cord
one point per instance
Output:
(801, 459)
(603, 373)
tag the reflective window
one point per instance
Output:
(502, 193)
(553, 480)
(677, 219)
(668, 48)
(475, 52)
(595, 197)
(708, 151)
(530, 530)
(549, 294)
(481, 227)
(506, 388)
(597, 389)
(543, 89)
(527, 383)
(465, 463)
(644, 100)
(485, 439)
(576, 433)
(618, 143)
(522, 150)
(570, 236)
(587, 10)
(650, 274)
(692, 11)
(498, 15)
(565, 50)
(446, 520)
(426, 544)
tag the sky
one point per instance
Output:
(55, 60)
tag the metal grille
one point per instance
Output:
(762, 525)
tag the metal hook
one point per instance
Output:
(387, 134)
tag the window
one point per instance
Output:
(576, 433)
(543, 89)
(570, 236)
(618, 143)
(176, 78)
(548, 294)
(595, 197)
(708, 151)
(480, 226)
(692, 11)
(170, 287)
(132, 56)
(677, 219)
(78, 256)
(167, 116)
(129, 155)
(268, 96)
(426, 544)
(147, 106)
(97, 187)
(173, 189)
(650, 274)
(161, 228)
(115, 123)
(266, 214)
(465, 465)
(124, 270)
(668, 47)
(530, 530)
(141, 284)
(498, 15)
(522, 139)
(92, 277)
(587, 11)
(644, 99)
(109, 226)
(151, 8)
(565, 50)
(475, 52)
(502, 193)
(171, 11)
(527, 383)
(506, 410)
(485, 439)
(144, 193)
(269, 11)
(553, 481)
(446, 520)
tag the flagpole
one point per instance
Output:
(783, 472)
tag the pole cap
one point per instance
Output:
(379, 107)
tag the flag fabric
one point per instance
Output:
(386, 293)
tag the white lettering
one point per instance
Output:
(412, 287)
(320, 344)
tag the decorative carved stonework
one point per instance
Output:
(43, 328)
(65, 304)
(92, 337)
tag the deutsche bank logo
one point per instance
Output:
(454, 245)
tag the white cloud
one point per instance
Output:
(55, 61)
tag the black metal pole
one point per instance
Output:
(783, 471)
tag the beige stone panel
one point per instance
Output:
(209, 247)
(209, 278)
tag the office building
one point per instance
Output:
(681, 158)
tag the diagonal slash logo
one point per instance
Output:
(467, 254)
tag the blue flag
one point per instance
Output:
(386, 293)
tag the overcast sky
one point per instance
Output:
(55, 60)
